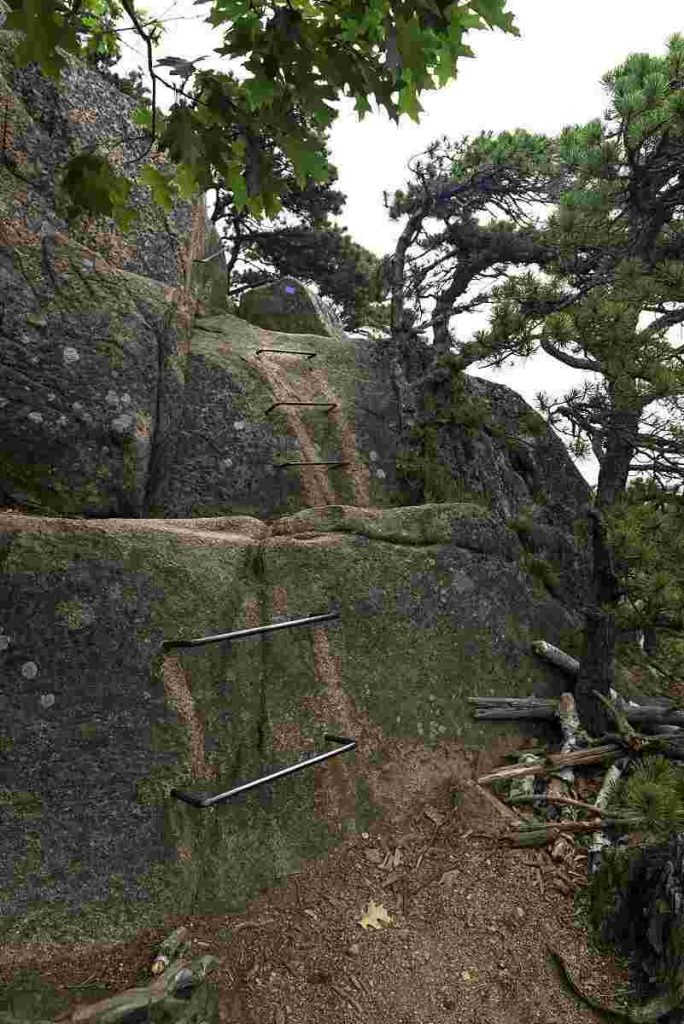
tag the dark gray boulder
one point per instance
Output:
(289, 307)
(93, 320)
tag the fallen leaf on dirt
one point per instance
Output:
(375, 916)
(449, 877)
(470, 975)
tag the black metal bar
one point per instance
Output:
(238, 633)
(331, 405)
(292, 351)
(278, 464)
(209, 801)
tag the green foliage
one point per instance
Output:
(21, 803)
(612, 256)
(646, 533)
(581, 531)
(325, 256)
(532, 424)
(424, 466)
(94, 187)
(301, 57)
(545, 573)
(604, 887)
(654, 794)
(521, 149)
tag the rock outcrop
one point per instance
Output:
(288, 307)
(93, 320)
(191, 475)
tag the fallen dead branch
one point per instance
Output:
(544, 832)
(498, 805)
(173, 975)
(592, 755)
(649, 1013)
(600, 839)
(544, 709)
(565, 800)
(556, 657)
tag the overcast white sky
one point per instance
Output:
(547, 78)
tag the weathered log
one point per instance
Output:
(600, 839)
(544, 709)
(175, 978)
(592, 755)
(174, 945)
(556, 657)
(546, 798)
(573, 737)
(492, 708)
(160, 993)
(524, 835)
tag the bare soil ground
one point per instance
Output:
(472, 921)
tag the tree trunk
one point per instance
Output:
(650, 641)
(597, 666)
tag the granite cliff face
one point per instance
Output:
(92, 319)
(170, 470)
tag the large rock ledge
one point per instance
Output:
(99, 722)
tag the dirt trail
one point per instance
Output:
(471, 923)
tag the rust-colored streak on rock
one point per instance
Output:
(13, 233)
(335, 782)
(288, 736)
(233, 532)
(279, 600)
(177, 688)
(252, 615)
(316, 489)
(357, 471)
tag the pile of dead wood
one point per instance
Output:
(176, 993)
(645, 919)
(546, 781)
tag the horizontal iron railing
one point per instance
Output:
(293, 351)
(210, 801)
(237, 634)
(277, 465)
(330, 405)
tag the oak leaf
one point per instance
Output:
(375, 916)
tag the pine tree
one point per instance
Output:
(605, 305)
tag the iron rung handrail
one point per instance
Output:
(209, 801)
(279, 464)
(331, 405)
(292, 351)
(238, 633)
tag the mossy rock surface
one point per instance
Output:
(288, 306)
(101, 722)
